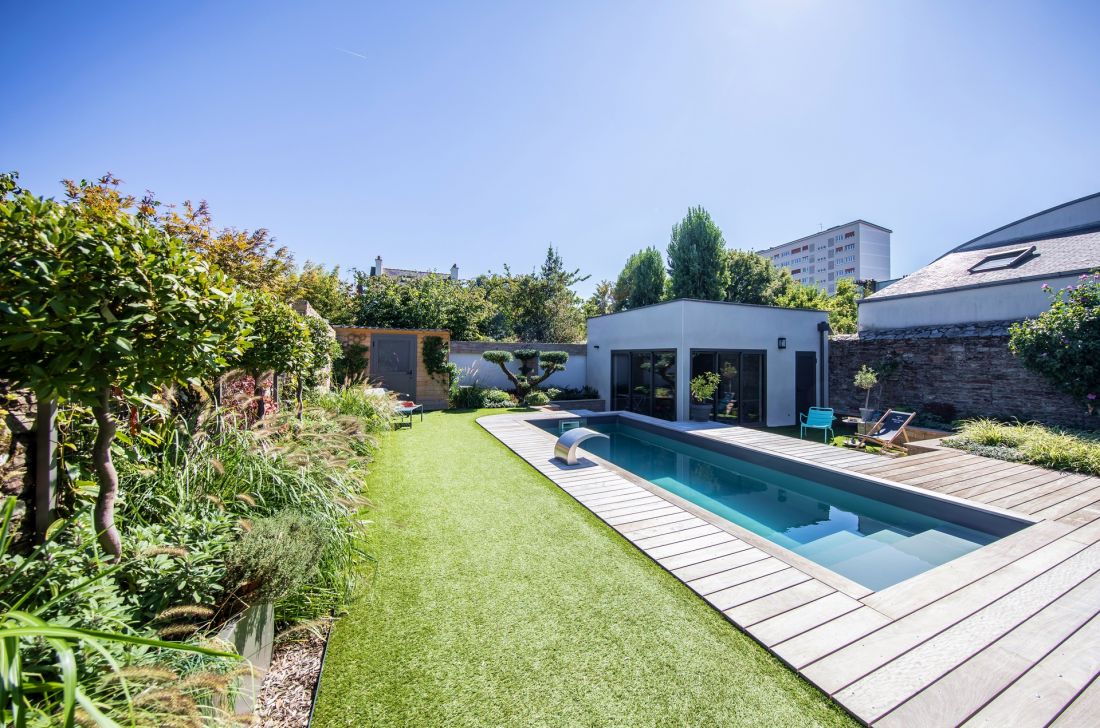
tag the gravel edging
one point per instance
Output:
(287, 694)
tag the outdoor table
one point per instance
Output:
(407, 414)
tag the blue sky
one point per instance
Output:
(478, 133)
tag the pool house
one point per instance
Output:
(772, 363)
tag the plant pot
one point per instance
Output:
(865, 413)
(700, 412)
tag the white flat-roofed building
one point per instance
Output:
(858, 250)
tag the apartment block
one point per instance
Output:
(858, 250)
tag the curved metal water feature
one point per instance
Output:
(565, 448)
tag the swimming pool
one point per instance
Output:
(870, 532)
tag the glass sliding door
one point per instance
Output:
(740, 396)
(641, 382)
(664, 385)
(644, 382)
(752, 388)
(620, 381)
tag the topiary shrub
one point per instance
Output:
(549, 361)
(536, 399)
(526, 359)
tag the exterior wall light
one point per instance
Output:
(782, 342)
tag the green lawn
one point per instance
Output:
(498, 600)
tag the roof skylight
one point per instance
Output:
(1007, 259)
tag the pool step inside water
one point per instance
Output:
(876, 560)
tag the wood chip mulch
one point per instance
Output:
(287, 692)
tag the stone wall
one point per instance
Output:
(16, 459)
(966, 366)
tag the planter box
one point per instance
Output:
(596, 405)
(253, 634)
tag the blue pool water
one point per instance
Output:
(874, 543)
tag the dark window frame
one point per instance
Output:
(1010, 258)
(651, 396)
(740, 383)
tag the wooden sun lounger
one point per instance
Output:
(888, 429)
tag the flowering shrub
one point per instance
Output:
(1063, 343)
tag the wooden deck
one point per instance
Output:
(1005, 635)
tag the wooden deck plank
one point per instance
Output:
(847, 665)
(757, 610)
(657, 529)
(1044, 690)
(912, 594)
(969, 686)
(1069, 505)
(692, 539)
(1084, 708)
(732, 577)
(918, 667)
(801, 619)
(1052, 500)
(651, 515)
(1069, 484)
(687, 558)
(756, 588)
(719, 564)
(815, 643)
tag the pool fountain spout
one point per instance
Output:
(565, 449)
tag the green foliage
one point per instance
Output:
(1048, 447)
(792, 294)
(703, 386)
(754, 279)
(536, 399)
(843, 309)
(642, 281)
(325, 290)
(1063, 343)
(374, 411)
(277, 555)
(697, 258)
(544, 306)
(497, 399)
(602, 301)
(351, 365)
(497, 356)
(524, 354)
(866, 379)
(323, 350)
(279, 336)
(470, 396)
(567, 393)
(430, 302)
(91, 301)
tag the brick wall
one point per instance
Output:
(969, 367)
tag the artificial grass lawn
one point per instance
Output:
(498, 600)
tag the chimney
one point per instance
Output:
(454, 272)
(377, 266)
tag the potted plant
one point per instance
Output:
(703, 388)
(866, 379)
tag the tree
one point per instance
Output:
(97, 305)
(697, 258)
(549, 361)
(602, 301)
(843, 310)
(752, 278)
(428, 302)
(280, 344)
(544, 306)
(329, 295)
(792, 294)
(323, 349)
(642, 281)
(1063, 342)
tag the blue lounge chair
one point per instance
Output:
(818, 418)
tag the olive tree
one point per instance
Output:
(549, 361)
(279, 344)
(96, 307)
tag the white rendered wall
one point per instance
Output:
(873, 254)
(1011, 301)
(473, 369)
(688, 325)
